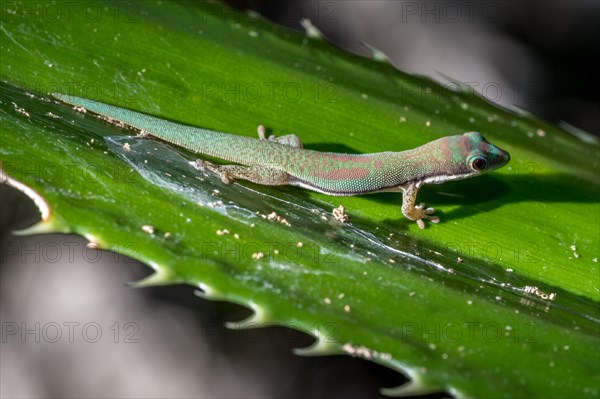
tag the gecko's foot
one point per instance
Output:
(216, 169)
(419, 214)
(289, 139)
(262, 134)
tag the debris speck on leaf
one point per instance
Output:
(275, 217)
(340, 214)
(537, 292)
(364, 352)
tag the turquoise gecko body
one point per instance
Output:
(282, 160)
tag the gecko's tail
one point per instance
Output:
(204, 141)
(117, 115)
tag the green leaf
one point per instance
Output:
(450, 306)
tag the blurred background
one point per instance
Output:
(164, 342)
(541, 56)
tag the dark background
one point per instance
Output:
(543, 55)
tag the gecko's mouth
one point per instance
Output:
(438, 179)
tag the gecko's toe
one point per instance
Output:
(261, 132)
(432, 219)
(225, 178)
(429, 215)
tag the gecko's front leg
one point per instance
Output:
(416, 212)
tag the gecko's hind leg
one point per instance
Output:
(289, 139)
(256, 174)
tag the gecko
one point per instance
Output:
(282, 160)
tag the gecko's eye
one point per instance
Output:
(478, 163)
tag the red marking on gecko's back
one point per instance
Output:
(344, 166)
(343, 174)
(446, 152)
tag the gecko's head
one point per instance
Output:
(458, 157)
(479, 155)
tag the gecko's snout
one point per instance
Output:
(505, 157)
(497, 156)
(502, 157)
